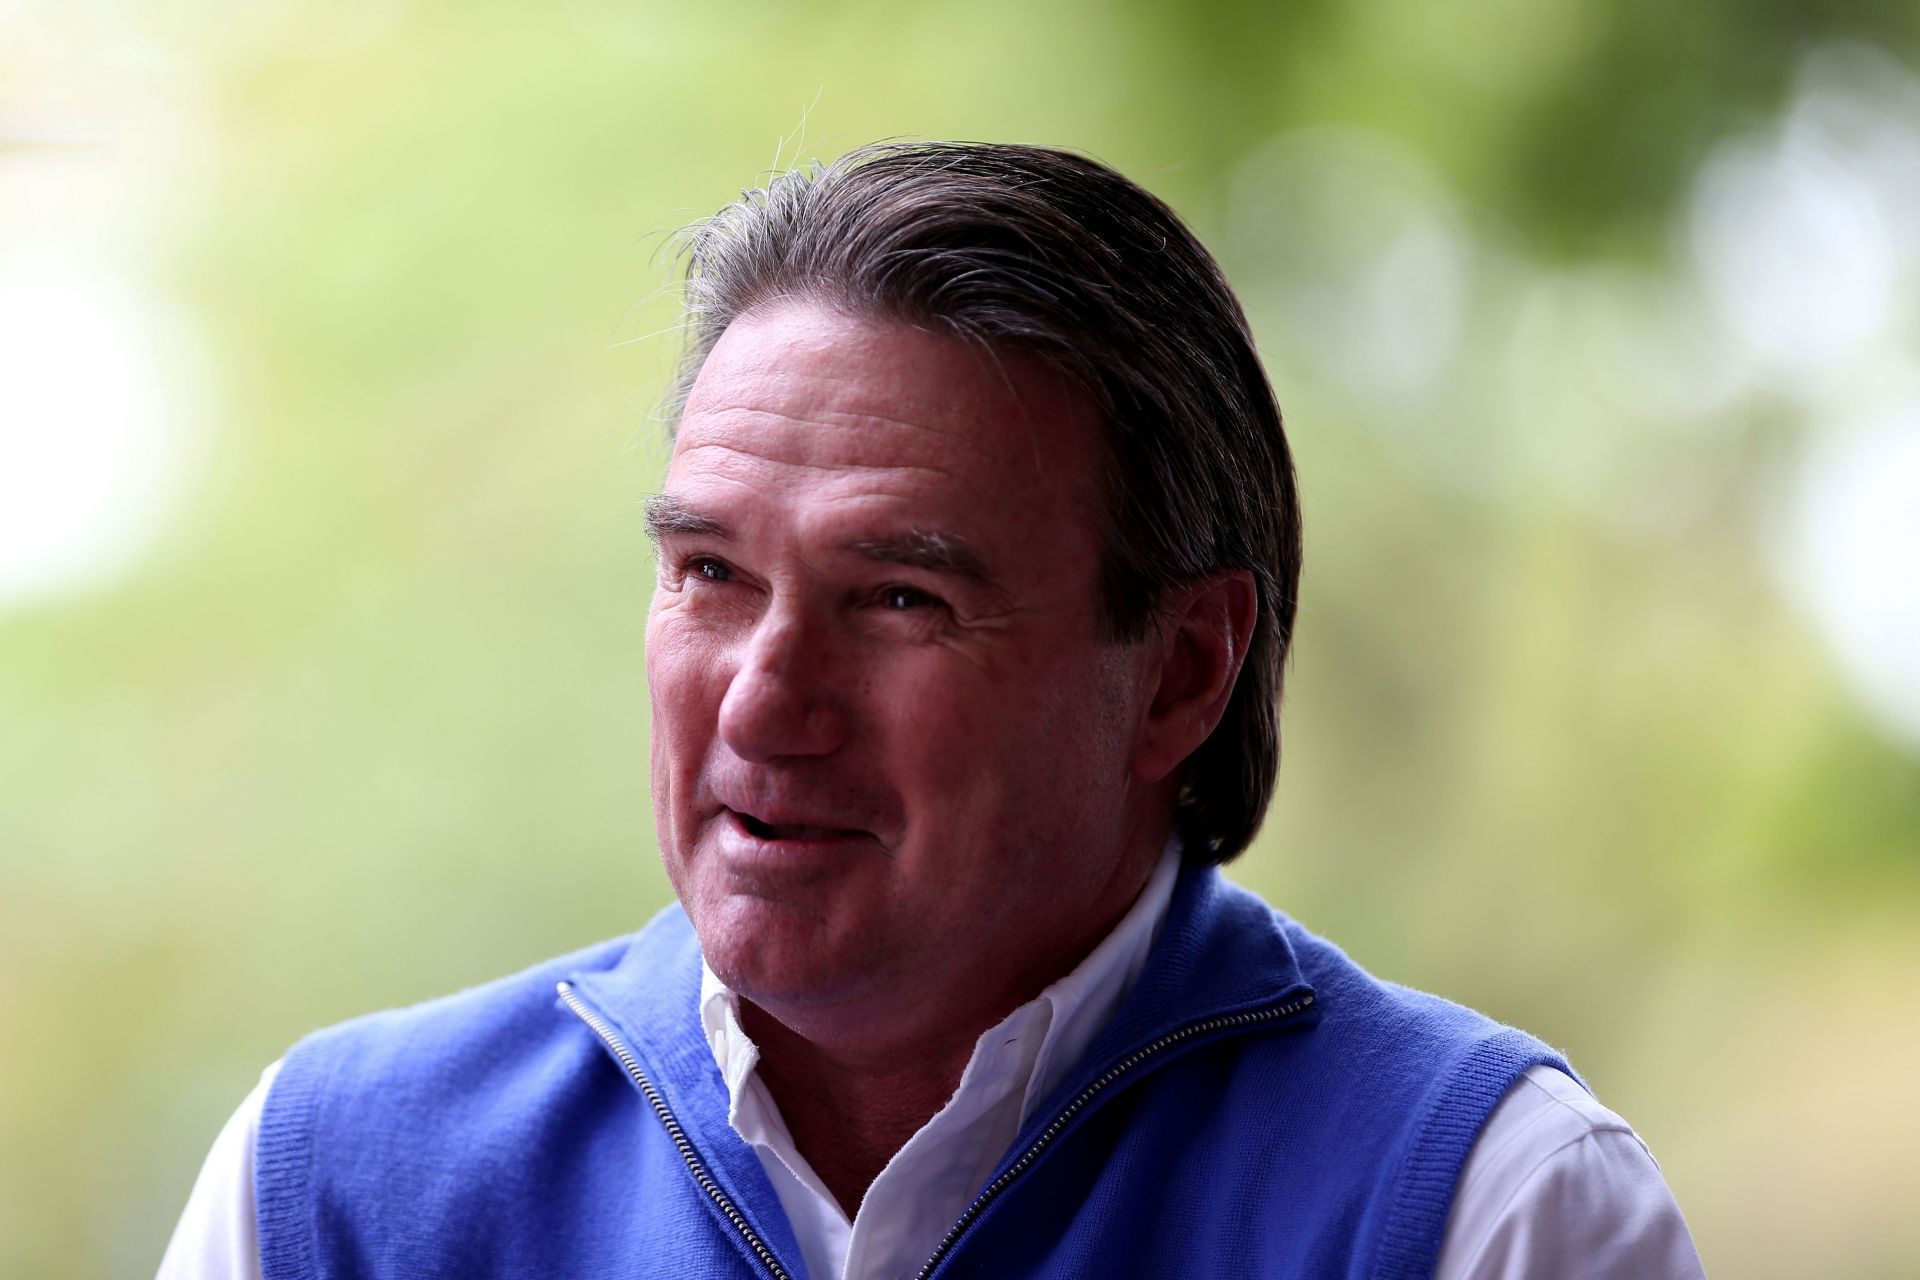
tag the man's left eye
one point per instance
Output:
(904, 598)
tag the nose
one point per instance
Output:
(783, 699)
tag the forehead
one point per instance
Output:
(800, 401)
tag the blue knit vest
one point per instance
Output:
(1260, 1106)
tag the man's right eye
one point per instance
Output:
(710, 569)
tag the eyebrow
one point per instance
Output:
(667, 515)
(925, 549)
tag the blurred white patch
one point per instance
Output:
(1807, 242)
(1353, 255)
(91, 450)
(101, 411)
(1793, 253)
(1805, 238)
(1860, 105)
(95, 437)
(1853, 557)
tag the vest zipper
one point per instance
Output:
(695, 1165)
(1046, 1136)
(993, 1190)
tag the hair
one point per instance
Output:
(1057, 255)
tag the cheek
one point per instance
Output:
(684, 687)
(1076, 734)
(685, 684)
(936, 729)
(965, 738)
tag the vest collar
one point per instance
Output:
(1221, 952)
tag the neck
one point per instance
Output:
(849, 1112)
(854, 1083)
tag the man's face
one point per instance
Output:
(890, 748)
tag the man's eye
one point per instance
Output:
(711, 570)
(904, 598)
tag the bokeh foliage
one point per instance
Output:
(370, 722)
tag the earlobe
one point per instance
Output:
(1206, 629)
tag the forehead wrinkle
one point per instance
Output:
(827, 418)
(751, 458)
(837, 383)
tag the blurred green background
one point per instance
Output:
(330, 342)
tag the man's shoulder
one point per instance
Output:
(1385, 1040)
(467, 1110)
(1343, 987)
(1344, 982)
(487, 1028)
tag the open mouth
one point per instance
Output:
(790, 830)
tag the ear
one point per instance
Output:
(1205, 629)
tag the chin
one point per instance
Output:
(771, 952)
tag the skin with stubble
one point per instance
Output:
(902, 781)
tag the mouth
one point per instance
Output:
(760, 829)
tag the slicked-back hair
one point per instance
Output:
(1054, 254)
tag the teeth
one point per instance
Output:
(769, 831)
(796, 833)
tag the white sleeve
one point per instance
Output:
(1557, 1185)
(216, 1238)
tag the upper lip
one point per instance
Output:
(775, 811)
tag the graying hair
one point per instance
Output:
(1054, 254)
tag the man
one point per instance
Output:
(978, 556)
